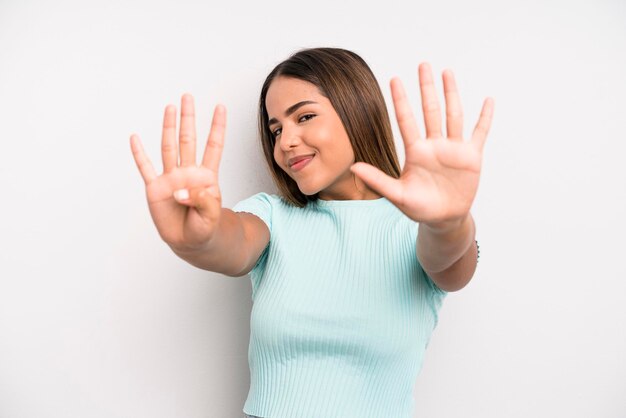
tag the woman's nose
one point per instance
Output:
(288, 139)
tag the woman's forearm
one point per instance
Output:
(442, 245)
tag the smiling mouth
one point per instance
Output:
(302, 163)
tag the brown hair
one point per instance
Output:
(349, 84)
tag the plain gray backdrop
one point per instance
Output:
(98, 318)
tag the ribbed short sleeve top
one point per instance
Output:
(342, 310)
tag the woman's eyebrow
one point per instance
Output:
(291, 109)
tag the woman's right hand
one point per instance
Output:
(185, 224)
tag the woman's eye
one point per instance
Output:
(276, 133)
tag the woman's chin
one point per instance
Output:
(308, 191)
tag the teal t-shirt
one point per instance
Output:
(342, 310)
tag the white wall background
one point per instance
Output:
(98, 318)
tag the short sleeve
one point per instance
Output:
(431, 284)
(260, 205)
(429, 281)
(435, 295)
(434, 299)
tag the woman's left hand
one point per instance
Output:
(440, 176)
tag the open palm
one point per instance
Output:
(183, 225)
(440, 176)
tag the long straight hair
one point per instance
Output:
(346, 80)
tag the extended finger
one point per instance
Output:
(430, 103)
(215, 142)
(404, 115)
(380, 182)
(169, 150)
(141, 159)
(187, 137)
(454, 111)
(479, 136)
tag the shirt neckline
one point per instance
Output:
(351, 202)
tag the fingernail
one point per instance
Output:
(182, 194)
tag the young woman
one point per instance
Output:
(351, 261)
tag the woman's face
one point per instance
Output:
(313, 129)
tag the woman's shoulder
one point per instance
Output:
(267, 201)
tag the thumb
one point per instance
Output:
(379, 181)
(199, 197)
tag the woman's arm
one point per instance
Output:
(227, 252)
(439, 179)
(448, 252)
